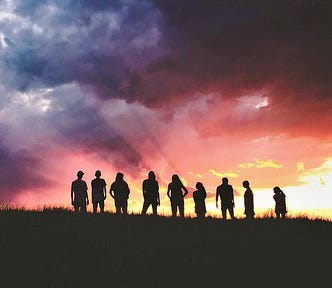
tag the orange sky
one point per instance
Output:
(203, 89)
(266, 162)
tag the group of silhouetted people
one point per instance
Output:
(176, 192)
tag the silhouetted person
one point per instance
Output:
(98, 191)
(225, 191)
(199, 198)
(248, 201)
(119, 191)
(280, 202)
(150, 189)
(174, 193)
(79, 193)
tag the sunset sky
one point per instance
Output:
(203, 89)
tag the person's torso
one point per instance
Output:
(176, 190)
(79, 188)
(98, 186)
(226, 192)
(199, 196)
(120, 189)
(151, 188)
(248, 196)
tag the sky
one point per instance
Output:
(202, 89)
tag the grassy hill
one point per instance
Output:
(56, 248)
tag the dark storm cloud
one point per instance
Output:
(160, 54)
(240, 46)
(97, 44)
(19, 171)
(155, 51)
(80, 126)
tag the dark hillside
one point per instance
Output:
(61, 249)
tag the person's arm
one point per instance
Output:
(86, 194)
(104, 190)
(111, 191)
(91, 189)
(185, 191)
(128, 190)
(232, 196)
(72, 194)
(168, 191)
(158, 196)
(143, 189)
(217, 196)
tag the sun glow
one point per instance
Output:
(310, 198)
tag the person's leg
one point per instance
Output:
(181, 209)
(154, 208)
(224, 213)
(174, 208)
(231, 212)
(117, 207)
(76, 207)
(145, 207)
(83, 208)
(94, 205)
(102, 206)
(125, 207)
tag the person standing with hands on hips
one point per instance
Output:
(174, 193)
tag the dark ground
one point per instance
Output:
(61, 249)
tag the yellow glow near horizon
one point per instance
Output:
(311, 196)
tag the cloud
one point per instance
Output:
(300, 167)
(260, 164)
(154, 52)
(224, 174)
(136, 83)
(20, 171)
(101, 45)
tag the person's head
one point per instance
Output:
(224, 180)
(98, 173)
(80, 174)
(276, 190)
(119, 176)
(245, 184)
(151, 175)
(199, 186)
(175, 178)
